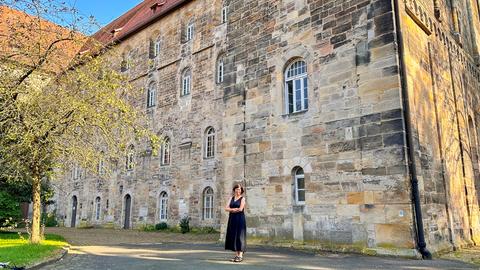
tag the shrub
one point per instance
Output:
(49, 219)
(161, 226)
(204, 230)
(185, 224)
(9, 208)
(148, 228)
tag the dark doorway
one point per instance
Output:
(74, 211)
(128, 203)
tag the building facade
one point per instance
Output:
(348, 122)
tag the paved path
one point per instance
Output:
(158, 254)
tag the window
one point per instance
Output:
(77, 172)
(208, 203)
(156, 50)
(130, 159)
(101, 166)
(163, 206)
(299, 185)
(165, 151)
(151, 95)
(224, 14)
(189, 33)
(210, 142)
(220, 69)
(97, 208)
(296, 87)
(186, 82)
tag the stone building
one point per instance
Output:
(350, 122)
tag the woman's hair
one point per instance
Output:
(238, 186)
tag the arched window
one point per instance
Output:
(97, 208)
(208, 203)
(151, 94)
(186, 82)
(210, 142)
(299, 185)
(163, 206)
(189, 31)
(220, 69)
(296, 87)
(101, 165)
(156, 49)
(130, 158)
(165, 151)
(224, 14)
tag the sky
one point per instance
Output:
(104, 11)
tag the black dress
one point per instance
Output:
(235, 239)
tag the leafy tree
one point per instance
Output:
(57, 107)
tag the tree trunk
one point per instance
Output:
(36, 185)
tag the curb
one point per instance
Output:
(52, 260)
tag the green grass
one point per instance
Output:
(20, 252)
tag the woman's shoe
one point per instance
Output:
(238, 259)
(234, 259)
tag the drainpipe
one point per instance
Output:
(421, 244)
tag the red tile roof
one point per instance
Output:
(136, 19)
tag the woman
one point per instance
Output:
(235, 239)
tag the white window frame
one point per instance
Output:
(163, 206)
(210, 142)
(186, 82)
(156, 50)
(220, 70)
(189, 32)
(130, 159)
(165, 152)
(151, 95)
(297, 177)
(98, 208)
(208, 203)
(224, 16)
(296, 74)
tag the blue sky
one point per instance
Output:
(104, 11)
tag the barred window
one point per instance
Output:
(151, 94)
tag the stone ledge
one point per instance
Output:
(50, 260)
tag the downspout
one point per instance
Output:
(420, 239)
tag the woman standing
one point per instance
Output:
(235, 239)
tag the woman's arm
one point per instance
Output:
(227, 207)
(242, 205)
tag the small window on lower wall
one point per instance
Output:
(208, 203)
(163, 206)
(299, 185)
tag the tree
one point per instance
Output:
(59, 107)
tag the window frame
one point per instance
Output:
(165, 153)
(208, 203)
(163, 206)
(130, 158)
(290, 84)
(210, 148)
(220, 74)
(186, 82)
(157, 47)
(189, 31)
(296, 177)
(151, 95)
(224, 14)
(98, 208)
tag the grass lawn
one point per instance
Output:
(20, 253)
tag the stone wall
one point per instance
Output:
(443, 84)
(350, 143)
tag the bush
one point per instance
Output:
(185, 224)
(9, 208)
(161, 226)
(49, 219)
(148, 228)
